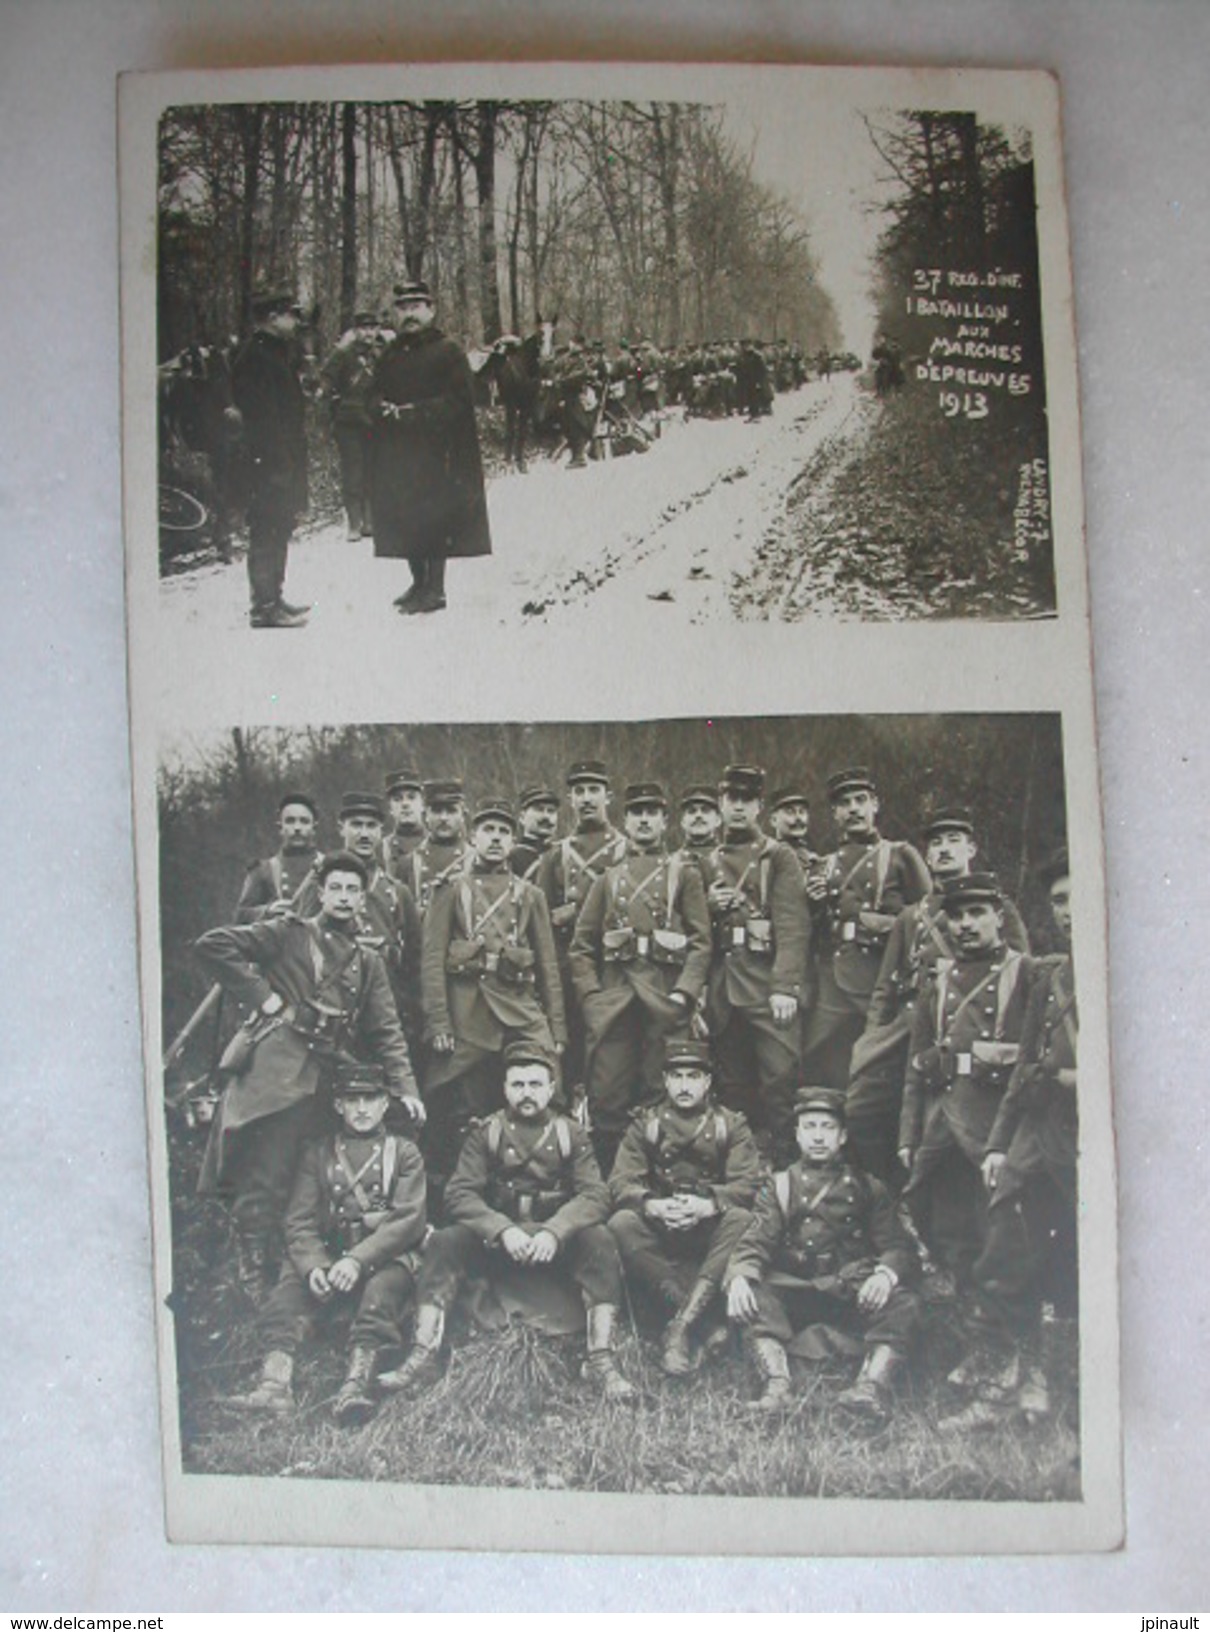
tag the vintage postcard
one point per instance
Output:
(616, 804)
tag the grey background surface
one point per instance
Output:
(79, 1474)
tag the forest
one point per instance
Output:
(614, 219)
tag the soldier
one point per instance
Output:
(538, 809)
(856, 896)
(790, 824)
(490, 977)
(312, 991)
(427, 472)
(918, 941)
(639, 959)
(271, 885)
(964, 1044)
(564, 876)
(272, 406)
(347, 378)
(578, 401)
(443, 854)
(761, 940)
(354, 1227)
(405, 806)
(825, 1245)
(527, 1195)
(700, 822)
(387, 922)
(682, 1186)
(1029, 1171)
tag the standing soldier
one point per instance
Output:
(639, 959)
(311, 992)
(578, 401)
(1029, 1172)
(490, 977)
(918, 941)
(526, 1203)
(683, 1184)
(965, 1041)
(348, 377)
(790, 824)
(427, 472)
(405, 806)
(443, 853)
(539, 817)
(856, 896)
(700, 822)
(564, 876)
(271, 885)
(825, 1246)
(273, 408)
(354, 1226)
(761, 940)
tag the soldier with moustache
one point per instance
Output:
(405, 807)
(565, 875)
(856, 896)
(538, 811)
(443, 853)
(270, 886)
(964, 1045)
(790, 824)
(918, 942)
(347, 379)
(311, 991)
(639, 960)
(525, 1207)
(683, 1184)
(700, 822)
(490, 977)
(761, 934)
(1029, 1172)
(387, 920)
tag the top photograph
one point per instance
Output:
(760, 358)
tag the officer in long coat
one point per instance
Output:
(311, 992)
(427, 485)
(266, 390)
(639, 959)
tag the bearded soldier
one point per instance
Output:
(639, 961)
(311, 992)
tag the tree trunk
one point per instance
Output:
(250, 128)
(348, 216)
(487, 115)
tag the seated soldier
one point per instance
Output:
(825, 1245)
(526, 1192)
(683, 1184)
(354, 1228)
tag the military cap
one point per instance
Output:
(700, 793)
(853, 780)
(364, 319)
(448, 792)
(949, 819)
(348, 1077)
(495, 810)
(588, 770)
(343, 861)
(295, 798)
(412, 289)
(361, 804)
(972, 887)
(744, 781)
(522, 1053)
(830, 1100)
(1056, 865)
(645, 793)
(538, 794)
(405, 781)
(686, 1051)
(788, 796)
(272, 298)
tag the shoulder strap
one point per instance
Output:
(1006, 986)
(390, 1164)
(495, 1132)
(882, 866)
(781, 1189)
(275, 873)
(653, 1130)
(720, 1129)
(563, 1137)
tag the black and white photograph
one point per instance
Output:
(670, 1108)
(552, 360)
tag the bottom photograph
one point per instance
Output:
(676, 1108)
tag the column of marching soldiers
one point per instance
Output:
(712, 1076)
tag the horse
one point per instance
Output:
(515, 368)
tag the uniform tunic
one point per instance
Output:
(565, 875)
(277, 878)
(427, 483)
(389, 924)
(430, 865)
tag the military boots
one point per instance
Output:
(677, 1358)
(769, 1357)
(355, 1402)
(274, 1392)
(869, 1395)
(422, 1368)
(601, 1367)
